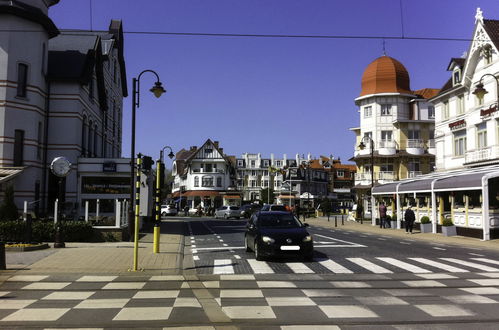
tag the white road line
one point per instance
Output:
(369, 266)
(476, 254)
(404, 265)
(438, 248)
(299, 268)
(339, 240)
(193, 245)
(472, 265)
(260, 267)
(223, 266)
(405, 243)
(225, 244)
(221, 248)
(440, 265)
(196, 258)
(490, 261)
(382, 239)
(237, 256)
(194, 251)
(334, 267)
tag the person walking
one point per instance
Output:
(409, 219)
(382, 215)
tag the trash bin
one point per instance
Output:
(2, 256)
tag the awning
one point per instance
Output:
(416, 186)
(232, 197)
(9, 173)
(384, 189)
(201, 193)
(286, 197)
(471, 181)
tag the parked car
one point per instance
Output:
(274, 207)
(168, 210)
(248, 209)
(273, 233)
(227, 212)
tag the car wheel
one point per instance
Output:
(163, 214)
(246, 246)
(256, 248)
(309, 257)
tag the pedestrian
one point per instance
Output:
(382, 215)
(297, 211)
(409, 219)
(186, 210)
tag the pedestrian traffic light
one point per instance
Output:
(161, 175)
(147, 163)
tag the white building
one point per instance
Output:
(60, 95)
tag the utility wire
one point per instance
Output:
(91, 15)
(401, 19)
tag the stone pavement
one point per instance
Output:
(429, 237)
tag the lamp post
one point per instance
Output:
(159, 175)
(362, 146)
(307, 166)
(480, 91)
(157, 90)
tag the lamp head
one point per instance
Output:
(157, 89)
(480, 91)
(362, 146)
(171, 155)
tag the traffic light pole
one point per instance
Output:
(137, 214)
(157, 223)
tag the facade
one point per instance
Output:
(60, 95)
(204, 177)
(396, 128)
(465, 187)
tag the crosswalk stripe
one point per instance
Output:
(370, 266)
(260, 267)
(334, 267)
(472, 265)
(440, 265)
(490, 261)
(223, 266)
(404, 265)
(299, 268)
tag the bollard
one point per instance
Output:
(336, 221)
(342, 222)
(59, 242)
(2, 256)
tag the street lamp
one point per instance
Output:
(157, 90)
(307, 166)
(159, 178)
(480, 91)
(362, 146)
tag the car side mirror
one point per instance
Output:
(306, 225)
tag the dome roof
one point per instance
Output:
(385, 75)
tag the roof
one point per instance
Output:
(30, 13)
(385, 75)
(457, 61)
(492, 28)
(446, 87)
(427, 93)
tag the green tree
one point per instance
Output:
(267, 196)
(8, 209)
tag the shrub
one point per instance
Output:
(394, 217)
(425, 219)
(447, 222)
(8, 209)
(44, 231)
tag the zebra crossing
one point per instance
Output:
(376, 265)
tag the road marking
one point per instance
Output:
(223, 266)
(193, 245)
(334, 267)
(490, 261)
(221, 240)
(299, 268)
(220, 248)
(440, 265)
(194, 251)
(370, 266)
(382, 239)
(237, 256)
(404, 265)
(260, 267)
(350, 244)
(225, 244)
(472, 265)
(476, 254)
(405, 243)
(196, 258)
(438, 248)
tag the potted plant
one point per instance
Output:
(448, 228)
(393, 221)
(425, 225)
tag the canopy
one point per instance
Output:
(8, 173)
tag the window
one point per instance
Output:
(219, 182)
(18, 147)
(44, 56)
(95, 141)
(266, 163)
(487, 54)
(208, 168)
(445, 110)
(252, 183)
(208, 151)
(456, 76)
(460, 143)
(196, 181)
(277, 163)
(253, 163)
(240, 163)
(460, 104)
(368, 111)
(413, 165)
(84, 136)
(386, 109)
(386, 135)
(22, 79)
(431, 111)
(340, 173)
(253, 173)
(39, 141)
(413, 134)
(207, 181)
(481, 136)
(385, 168)
(89, 139)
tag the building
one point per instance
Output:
(61, 94)
(395, 139)
(465, 187)
(204, 177)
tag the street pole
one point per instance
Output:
(137, 215)
(157, 223)
(373, 220)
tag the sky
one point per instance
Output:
(269, 95)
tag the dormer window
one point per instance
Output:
(487, 54)
(456, 76)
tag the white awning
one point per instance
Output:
(9, 173)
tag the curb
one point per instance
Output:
(27, 248)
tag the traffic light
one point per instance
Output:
(147, 163)
(162, 175)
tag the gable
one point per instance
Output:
(208, 151)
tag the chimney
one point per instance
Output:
(215, 143)
(193, 148)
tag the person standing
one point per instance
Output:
(409, 219)
(382, 215)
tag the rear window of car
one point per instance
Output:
(278, 208)
(278, 220)
(234, 208)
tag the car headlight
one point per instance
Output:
(268, 240)
(307, 238)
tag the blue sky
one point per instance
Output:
(288, 95)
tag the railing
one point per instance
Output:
(197, 170)
(413, 174)
(415, 143)
(386, 144)
(484, 154)
(366, 176)
(385, 175)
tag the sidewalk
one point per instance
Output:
(108, 257)
(429, 237)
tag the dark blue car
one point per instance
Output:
(275, 233)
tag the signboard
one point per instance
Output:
(488, 112)
(105, 185)
(457, 125)
(109, 167)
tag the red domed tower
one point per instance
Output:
(385, 75)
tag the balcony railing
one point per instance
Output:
(386, 175)
(415, 143)
(366, 176)
(387, 144)
(197, 170)
(413, 174)
(481, 155)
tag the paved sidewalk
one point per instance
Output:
(107, 257)
(368, 227)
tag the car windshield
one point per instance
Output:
(234, 208)
(279, 220)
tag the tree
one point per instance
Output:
(8, 209)
(267, 196)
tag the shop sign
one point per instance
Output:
(457, 125)
(109, 167)
(105, 185)
(488, 112)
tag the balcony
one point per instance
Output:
(365, 151)
(431, 147)
(381, 177)
(482, 155)
(385, 176)
(387, 147)
(413, 174)
(415, 147)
